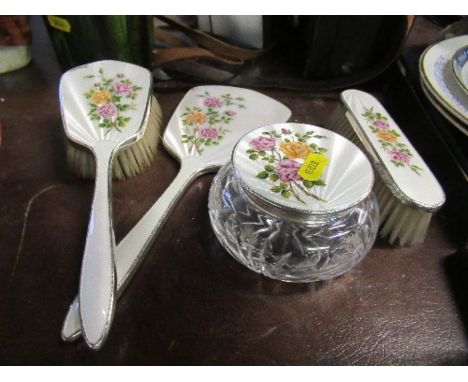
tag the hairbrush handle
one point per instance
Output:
(97, 279)
(132, 249)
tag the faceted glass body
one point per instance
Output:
(289, 248)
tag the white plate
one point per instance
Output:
(437, 75)
(460, 67)
(441, 110)
(440, 104)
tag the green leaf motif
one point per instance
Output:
(319, 182)
(274, 177)
(262, 175)
(312, 183)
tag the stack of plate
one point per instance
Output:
(443, 69)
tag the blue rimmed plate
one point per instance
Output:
(460, 67)
(437, 76)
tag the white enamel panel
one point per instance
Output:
(249, 110)
(399, 159)
(89, 80)
(348, 177)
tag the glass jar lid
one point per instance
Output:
(302, 168)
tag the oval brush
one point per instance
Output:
(105, 107)
(127, 163)
(407, 191)
(201, 133)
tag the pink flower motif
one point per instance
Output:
(121, 88)
(381, 125)
(230, 113)
(208, 132)
(285, 131)
(399, 156)
(263, 143)
(212, 102)
(108, 110)
(287, 171)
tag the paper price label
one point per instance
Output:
(59, 23)
(313, 167)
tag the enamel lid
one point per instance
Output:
(270, 159)
(399, 164)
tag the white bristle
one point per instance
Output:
(129, 162)
(401, 223)
(398, 223)
(338, 123)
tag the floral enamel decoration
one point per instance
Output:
(110, 99)
(399, 153)
(284, 153)
(204, 124)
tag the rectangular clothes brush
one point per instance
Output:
(407, 191)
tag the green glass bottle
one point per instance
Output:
(81, 39)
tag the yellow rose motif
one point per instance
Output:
(387, 136)
(295, 150)
(195, 118)
(101, 97)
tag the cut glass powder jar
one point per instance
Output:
(295, 203)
